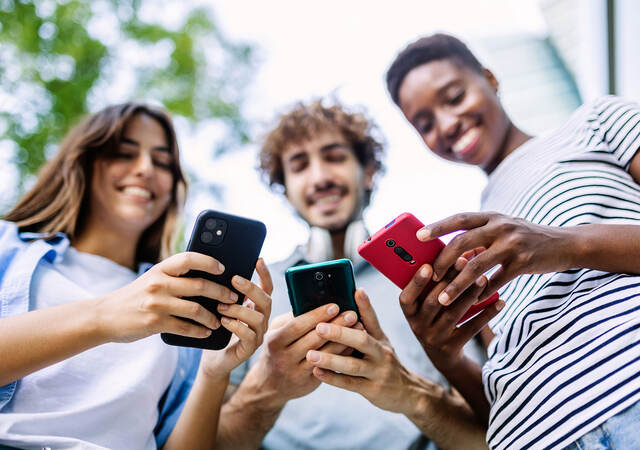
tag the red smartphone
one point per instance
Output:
(397, 253)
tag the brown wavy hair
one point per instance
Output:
(58, 203)
(304, 121)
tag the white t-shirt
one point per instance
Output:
(566, 356)
(105, 397)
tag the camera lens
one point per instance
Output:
(391, 243)
(210, 224)
(319, 276)
(206, 237)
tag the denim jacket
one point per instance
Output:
(20, 254)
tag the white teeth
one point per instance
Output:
(328, 199)
(135, 190)
(464, 140)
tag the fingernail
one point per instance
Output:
(333, 310)
(499, 306)
(314, 356)
(320, 372)
(350, 317)
(208, 332)
(216, 325)
(233, 296)
(226, 320)
(240, 281)
(423, 234)
(220, 267)
(223, 307)
(435, 276)
(443, 298)
(460, 263)
(322, 329)
(424, 273)
(480, 282)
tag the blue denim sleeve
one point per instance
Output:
(173, 400)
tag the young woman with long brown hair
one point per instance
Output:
(82, 362)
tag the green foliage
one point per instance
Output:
(58, 60)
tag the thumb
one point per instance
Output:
(368, 315)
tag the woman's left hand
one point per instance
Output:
(378, 375)
(247, 322)
(514, 244)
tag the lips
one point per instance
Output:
(327, 200)
(466, 143)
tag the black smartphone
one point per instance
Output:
(314, 285)
(235, 242)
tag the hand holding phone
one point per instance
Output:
(236, 243)
(397, 253)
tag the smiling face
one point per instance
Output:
(324, 181)
(131, 188)
(456, 111)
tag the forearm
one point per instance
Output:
(248, 415)
(37, 339)
(466, 377)
(445, 418)
(198, 423)
(610, 248)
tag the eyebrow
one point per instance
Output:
(160, 148)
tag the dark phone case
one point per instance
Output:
(306, 293)
(238, 251)
(402, 231)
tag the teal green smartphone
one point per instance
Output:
(314, 285)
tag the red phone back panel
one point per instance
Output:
(381, 249)
(384, 251)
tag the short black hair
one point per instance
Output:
(424, 50)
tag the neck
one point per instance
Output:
(515, 138)
(337, 243)
(98, 239)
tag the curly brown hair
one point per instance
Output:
(305, 121)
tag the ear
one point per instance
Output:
(369, 173)
(491, 79)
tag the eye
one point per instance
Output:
(424, 126)
(297, 163)
(163, 160)
(337, 154)
(457, 97)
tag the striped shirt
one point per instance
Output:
(566, 356)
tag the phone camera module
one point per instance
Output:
(402, 253)
(391, 243)
(210, 224)
(206, 237)
(319, 276)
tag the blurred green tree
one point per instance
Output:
(61, 59)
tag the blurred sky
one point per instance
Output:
(343, 48)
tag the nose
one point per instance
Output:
(319, 173)
(448, 126)
(143, 165)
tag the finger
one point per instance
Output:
(368, 315)
(460, 245)
(252, 291)
(498, 279)
(192, 310)
(410, 295)
(182, 263)
(462, 221)
(181, 327)
(254, 319)
(430, 309)
(472, 271)
(357, 339)
(473, 253)
(330, 348)
(266, 283)
(301, 325)
(312, 340)
(354, 384)
(247, 336)
(199, 287)
(473, 326)
(346, 365)
(452, 314)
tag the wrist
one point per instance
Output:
(258, 393)
(580, 246)
(95, 321)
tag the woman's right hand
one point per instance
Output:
(154, 302)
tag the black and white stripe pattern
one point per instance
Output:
(567, 352)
